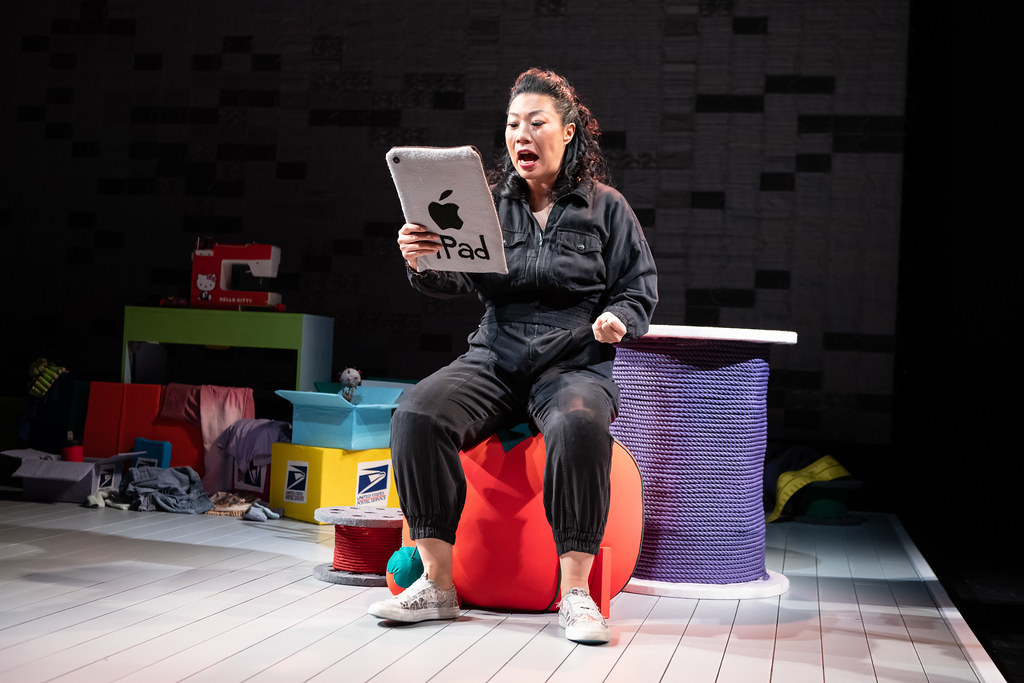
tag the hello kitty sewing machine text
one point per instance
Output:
(234, 276)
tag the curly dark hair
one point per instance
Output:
(583, 160)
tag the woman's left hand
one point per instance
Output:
(608, 328)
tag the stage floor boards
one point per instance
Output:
(104, 595)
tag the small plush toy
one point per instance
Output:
(350, 378)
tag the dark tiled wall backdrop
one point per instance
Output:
(759, 142)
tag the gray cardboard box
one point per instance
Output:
(56, 480)
(45, 477)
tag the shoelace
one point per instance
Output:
(582, 609)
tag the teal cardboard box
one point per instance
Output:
(327, 420)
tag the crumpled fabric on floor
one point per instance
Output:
(178, 489)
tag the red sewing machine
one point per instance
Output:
(232, 276)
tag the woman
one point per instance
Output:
(580, 278)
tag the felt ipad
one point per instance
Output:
(445, 190)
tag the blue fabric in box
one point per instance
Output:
(329, 421)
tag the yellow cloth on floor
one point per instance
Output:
(824, 468)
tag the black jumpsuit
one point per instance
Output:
(533, 355)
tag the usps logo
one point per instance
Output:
(296, 481)
(373, 483)
(109, 477)
(252, 478)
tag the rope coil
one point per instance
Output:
(363, 550)
(364, 540)
(694, 416)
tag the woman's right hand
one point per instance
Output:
(416, 241)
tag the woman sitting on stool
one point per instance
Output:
(580, 278)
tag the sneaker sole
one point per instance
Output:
(413, 616)
(587, 636)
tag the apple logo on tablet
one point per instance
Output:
(445, 215)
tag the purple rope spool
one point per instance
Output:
(693, 413)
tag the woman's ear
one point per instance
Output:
(568, 132)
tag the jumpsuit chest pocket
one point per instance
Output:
(516, 254)
(577, 259)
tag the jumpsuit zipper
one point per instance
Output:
(531, 356)
(540, 247)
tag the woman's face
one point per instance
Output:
(536, 138)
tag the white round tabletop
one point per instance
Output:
(724, 333)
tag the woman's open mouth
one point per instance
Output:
(526, 159)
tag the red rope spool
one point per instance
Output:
(365, 538)
(364, 550)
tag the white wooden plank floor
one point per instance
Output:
(106, 595)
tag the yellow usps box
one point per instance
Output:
(304, 478)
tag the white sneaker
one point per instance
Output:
(581, 619)
(421, 601)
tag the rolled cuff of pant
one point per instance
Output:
(578, 541)
(423, 527)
